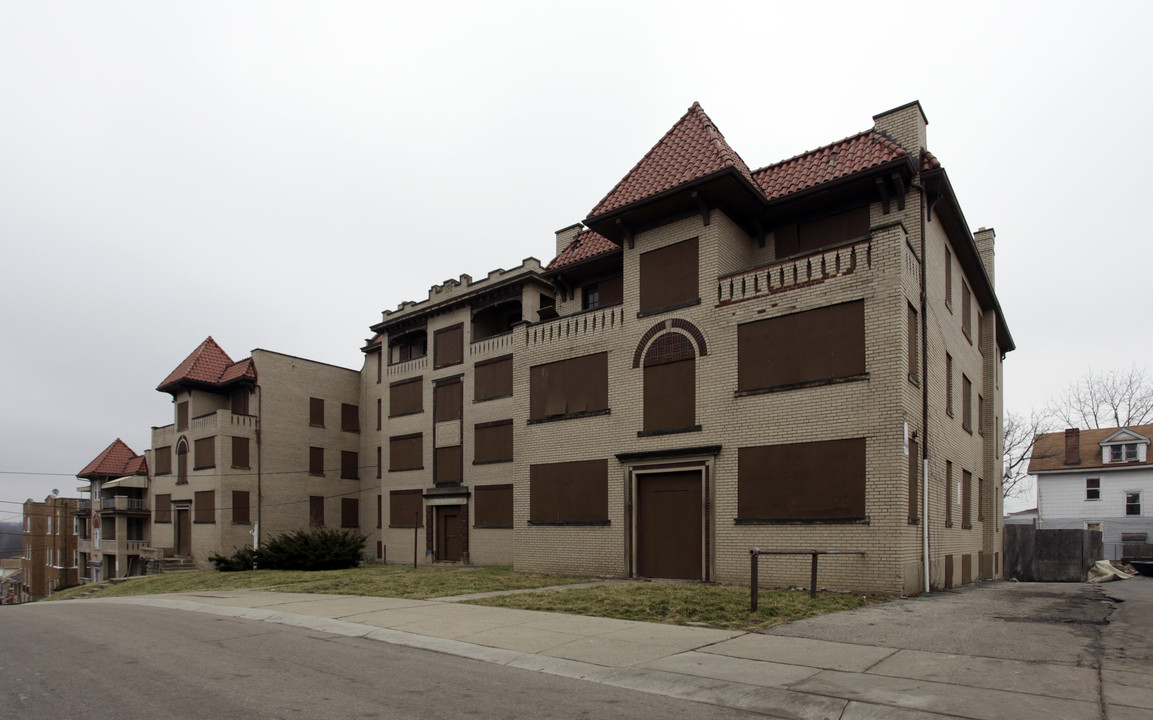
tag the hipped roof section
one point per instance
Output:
(116, 460)
(208, 366)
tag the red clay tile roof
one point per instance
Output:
(1049, 450)
(929, 161)
(691, 149)
(117, 459)
(587, 244)
(851, 155)
(210, 365)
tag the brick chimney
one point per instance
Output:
(1072, 446)
(984, 239)
(564, 236)
(905, 126)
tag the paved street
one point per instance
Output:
(996, 650)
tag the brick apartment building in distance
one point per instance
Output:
(805, 356)
(49, 558)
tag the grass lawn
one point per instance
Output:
(718, 606)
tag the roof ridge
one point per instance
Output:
(826, 146)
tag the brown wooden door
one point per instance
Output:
(183, 532)
(670, 525)
(448, 530)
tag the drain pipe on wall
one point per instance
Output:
(259, 470)
(924, 389)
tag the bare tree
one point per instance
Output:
(1118, 398)
(1020, 435)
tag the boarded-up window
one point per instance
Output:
(914, 467)
(493, 379)
(407, 346)
(948, 279)
(949, 493)
(966, 403)
(822, 232)
(493, 442)
(569, 493)
(569, 387)
(966, 498)
(316, 412)
(316, 510)
(240, 452)
(670, 389)
(912, 335)
(814, 345)
(349, 512)
(240, 506)
(980, 498)
(163, 511)
(204, 506)
(406, 452)
(448, 466)
(405, 397)
(669, 277)
(379, 365)
(205, 453)
(182, 415)
(980, 414)
(603, 293)
(802, 481)
(349, 418)
(493, 506)
(163, 459)
(948, 384)
(240, 401)
(379, 510)
(379, 465)
(379, 413)
(448, 346)
(316, 461)
(349, 465)
(966, 311)
(447, 399)
(181, 462)
(404, 508)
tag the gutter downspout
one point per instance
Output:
(924, 391)
(259, 469)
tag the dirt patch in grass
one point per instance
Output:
(706, 604)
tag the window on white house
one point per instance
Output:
(1093, 488)
(1132, 503)
(1123, 453)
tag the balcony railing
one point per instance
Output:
(795, 273)
(586, 323)
(84, 506)
(124, 503)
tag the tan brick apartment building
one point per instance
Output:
(717, 359)
(48, 559)
(113, 524)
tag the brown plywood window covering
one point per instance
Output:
(181, 462)
(493, 442)
(980, 498)
(182, 415)
(406, 452)
(205, 449)
(379, 510)
(493, 506)
(316, 412)
(379, 464)
(612, 291)
(240, 452)
(948, 279)
(802, 481)
(914, 375)
(833, 229)
(379, 549)
(449, 465)
(379, 365)
(349, 512)
(350, 417)
(204, 507)
(379, 413)
(405, 397)
(240, 401)
(569, 493)
(949, 492)
(493, 379)
(240, 506)
(448, 346)
(569, 387)
(163, 459)
(980, 414)
(914, 467)
(966, 498)
(670, 392)
(349, 465)
(966, 311)
(163, 513)
(405, 508)
(966, 403)
(809, 346)
(669, 276)
(316, 510)
(447, 400)
(948, 384)
(785, 241)
(316, 461)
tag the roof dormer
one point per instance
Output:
(1124, 446)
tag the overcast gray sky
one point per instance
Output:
(275, 174)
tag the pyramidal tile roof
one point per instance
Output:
(691, 149)
(587, 244)
(853, 154)
(209, 364)
(117, 459)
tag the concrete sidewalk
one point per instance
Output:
(991, 651)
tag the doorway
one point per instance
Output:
(670, 525)
(183, 532)
(448, 533)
